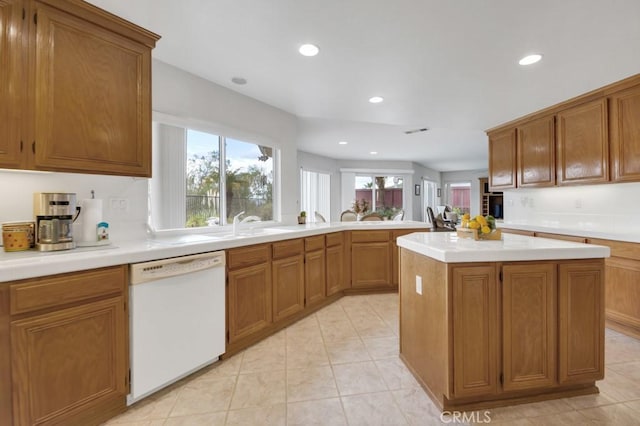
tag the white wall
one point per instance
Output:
(419, 213)
(467, 176)
(610, 208)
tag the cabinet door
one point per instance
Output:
(70, 363)
(371, 265)
(92, 97)
(529, 326)
(335, 269)
(12, 82)
(581, 322)
(248, 300)
(536, 153)
(502, 159)
(288, 286)
(314, 277)
(475, 329)
(583, 144)
(625, 134)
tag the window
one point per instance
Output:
(459, 196)
(315, 194)
(203, 179)
(382, 194)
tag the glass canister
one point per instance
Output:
(18, 236)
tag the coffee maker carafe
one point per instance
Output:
(55, 213)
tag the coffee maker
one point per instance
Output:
(55, 213)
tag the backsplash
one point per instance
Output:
(611, 208)
(125, 223)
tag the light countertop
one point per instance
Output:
(447, 247)
(613, 231)
(31, 263)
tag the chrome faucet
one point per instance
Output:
(251, 219)
(236, 219)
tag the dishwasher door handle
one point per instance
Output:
(165, 268)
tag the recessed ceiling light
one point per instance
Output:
(239, 80)
(531, 59)
(374, 153)
(309, 50)
(342, 143)
(376, 99)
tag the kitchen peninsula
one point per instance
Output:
(494, 323)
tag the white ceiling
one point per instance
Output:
(449, 65)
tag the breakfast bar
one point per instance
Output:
(494, 323)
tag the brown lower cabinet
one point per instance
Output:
(335, 263)
(371, 259)
(315, 277)
(537, 332)
(69, 348)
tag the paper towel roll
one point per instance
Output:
(91, 215)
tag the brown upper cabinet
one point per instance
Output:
(85, 96)
(583, 144)
(502, 159)
(593, 138)
(624, 128)
(536, 152)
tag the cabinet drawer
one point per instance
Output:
(335, 239)
(368, 236)
(288, 248)
(314, 243)
(39, 293)
(247, 256)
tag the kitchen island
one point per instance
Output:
(494, 323)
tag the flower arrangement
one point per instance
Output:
(360, 206)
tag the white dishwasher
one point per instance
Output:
(177, 319)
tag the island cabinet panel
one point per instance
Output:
(583, 144)
(68, 363)
(315, 276)
(624, 125)
(581, 322)
(475, 329)
(536, 153)
(288, 286)
(249, 307)
(335, 263)
(92, 96)
(529, 325)
(371, 259)
(502, 159)
(395, 252)
(12, 92)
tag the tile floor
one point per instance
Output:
(340, 366)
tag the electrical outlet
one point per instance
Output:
(119, 205)
(419, 284)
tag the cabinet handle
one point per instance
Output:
(35, 18)
(21, 145)
(24, 14)
(33, 147)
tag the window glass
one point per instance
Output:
(249, 180)
(364, 194)
(315, 194)
(459, 197)
(202, 179)
(380, 194)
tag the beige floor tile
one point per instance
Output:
(157, 406)
(620, 348)
(312, 354)
(395, 374)
(304, 336)
(350, 350)
(210, 419)
(382, 347)
(358, 377)
(156, 422)
(616, 415)
(372, 327)
(518, 422)
(372, 409)
(535, 409)
(417, 407)
(259, 390)
(589, 401)
(310, 383)
(274, 415)
(204, 396)
(224, 368)
(570, 418)
(619, 387)
(630, 370)
(323, 412)
(270, 357)
(338, 330)
(634, 405)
